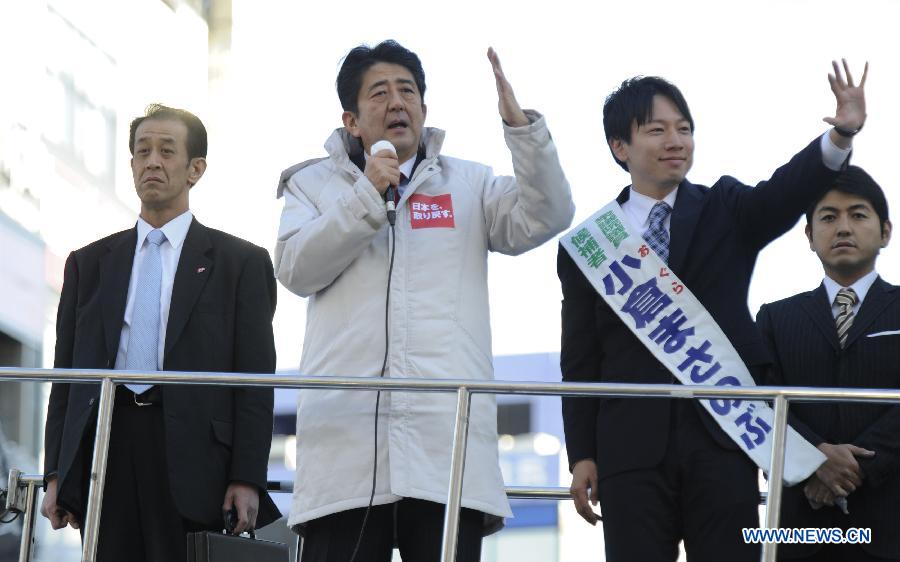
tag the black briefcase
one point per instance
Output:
(209, 546)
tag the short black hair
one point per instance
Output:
(360, 59)
(855, 181)
(632, 102)
(196, 137)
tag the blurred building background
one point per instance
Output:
(72, 83)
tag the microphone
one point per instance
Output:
(389, 193)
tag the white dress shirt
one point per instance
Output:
(637, 208)
(861, 287)
(169, 252)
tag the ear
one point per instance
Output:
(619, 148)
(808, 231)
(197, 168)
(424, 111)
(351, 123)
(886, 234)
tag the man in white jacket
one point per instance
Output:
(335, 246)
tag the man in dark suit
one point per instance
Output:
(662, 470)
(173, 295)
(844, 333)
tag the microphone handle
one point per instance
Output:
(389, 205)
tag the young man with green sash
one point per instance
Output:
(655, 291)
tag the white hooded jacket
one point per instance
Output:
(333, 247)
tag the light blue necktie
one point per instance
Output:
(143, 337)
(656, 234)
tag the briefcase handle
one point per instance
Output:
(231, 521)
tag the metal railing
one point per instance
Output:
(464, 390)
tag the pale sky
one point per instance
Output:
(754, 75)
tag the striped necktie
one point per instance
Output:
(845, 300)
(656, 234)
(143, 335)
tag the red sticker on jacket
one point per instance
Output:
(431, 212)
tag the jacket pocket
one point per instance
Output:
(223, 432)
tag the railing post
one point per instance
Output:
(91, 521)
(27, 545)
(457, 468)
(776, 474)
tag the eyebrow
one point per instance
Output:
(385, 82)
(856, 207)
(663, 122)
(165, 139)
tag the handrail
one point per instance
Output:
(792, 393)
(464, 388)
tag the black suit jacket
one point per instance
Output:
(220, 319)
(716, 234)
(800, 332)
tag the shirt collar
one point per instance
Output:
(642, 204)
(175, 230)
(861, 287)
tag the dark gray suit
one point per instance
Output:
(801, 334)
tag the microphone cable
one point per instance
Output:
(392, 243)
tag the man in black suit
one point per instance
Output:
(173, 295)
(844, 333)
(662, 470)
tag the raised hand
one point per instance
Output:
(850, 114)
(510, 111)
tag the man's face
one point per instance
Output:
(846, 234)
(390, 108)
(163, 173)
(661, 150)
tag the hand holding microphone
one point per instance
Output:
(382, 167)
(383, 170)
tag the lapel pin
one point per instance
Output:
(201, 269)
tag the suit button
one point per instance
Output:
(91, 402)
(109, 364)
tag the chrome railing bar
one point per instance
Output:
(457, 472)
(820, 394)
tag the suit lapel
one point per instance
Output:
(878, 298)
(194, 267)
(818, 309)
(115, 274)
(685, 215)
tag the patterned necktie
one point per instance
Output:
(845, 299)
(656, 234)
(143, 336)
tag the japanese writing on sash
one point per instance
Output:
(669, 320)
